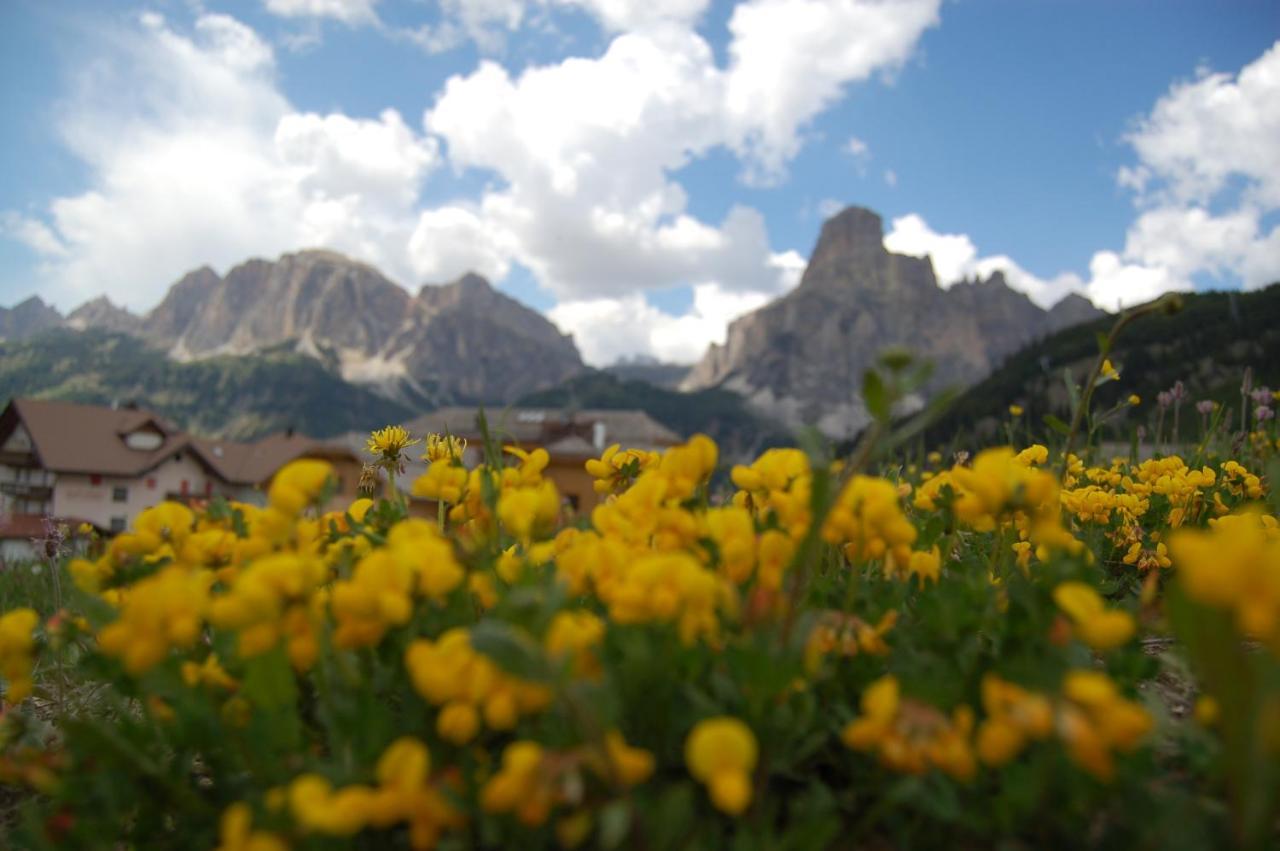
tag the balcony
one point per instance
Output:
(27, 490)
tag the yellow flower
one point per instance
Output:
(444, 481)
(388, 443)
(613, 471)
(1015, 410)
(1206, 710)
(1096, 720)
(162, 611)
(1014, 715)
(1100, 628)
(687, 466)
(721, 753)
(16, 644)
(299, 484)
(458, 723)
(910, 736)
(1235, 565)
(1109, 372)
(521, 785)
(235, 832)
(868, 521)
(523, 510)
(633, 765)
(925, 565)
(1135, 400)
(445, 447)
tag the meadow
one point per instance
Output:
(1029, 647)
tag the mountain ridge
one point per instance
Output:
(347, 314)
(800, 358)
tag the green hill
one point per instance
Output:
(233, 396)
(1207, 345)
(719, 413)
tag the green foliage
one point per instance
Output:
(257, 394)
(1207, 345)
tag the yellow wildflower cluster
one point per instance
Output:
(1099, 627)
(531, 781)
(1014, 716)
(1095, 721)
(415, 563)
(468, 686)
(909, 736)
(1235, 565)
(16, 646)
(403, 794)
(617, 468)
(444, 447)
(516, 643)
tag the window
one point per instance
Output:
(119, 494)
(118, 524)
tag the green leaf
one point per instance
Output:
(1056, 424)
(512, 650)
(1104, 343)
(1073, 392)
(269, 681)
(615, 823)
(875, 395)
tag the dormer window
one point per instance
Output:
(144, 440)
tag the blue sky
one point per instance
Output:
(641, 170)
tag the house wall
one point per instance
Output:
(574, 484)
(94, 498)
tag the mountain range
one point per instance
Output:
(800, 358)
(460, 342)
(796, 361)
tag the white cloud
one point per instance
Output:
(197, 158)
(1205, 132)
(628, 15)
(347, 11)
(607, 329)
(955, 258)
(451, 241)
(585, 148)
(1207, 173)
(32, 233)
(793, 58)
(890, 177)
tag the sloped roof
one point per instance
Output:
(548, 426)
(252, 463)
(74, 438)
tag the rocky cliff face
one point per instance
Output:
(27, 318)
(102, 313)
(801, 358)
(462, 341)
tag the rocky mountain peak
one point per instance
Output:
(852, 231)
(103, 313)
(27, 318)
(463, 341)
(800, 358)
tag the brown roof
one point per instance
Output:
(549, 426)
(31, 526)
(74, 438)
(252, 463)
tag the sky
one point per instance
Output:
(641, 171)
